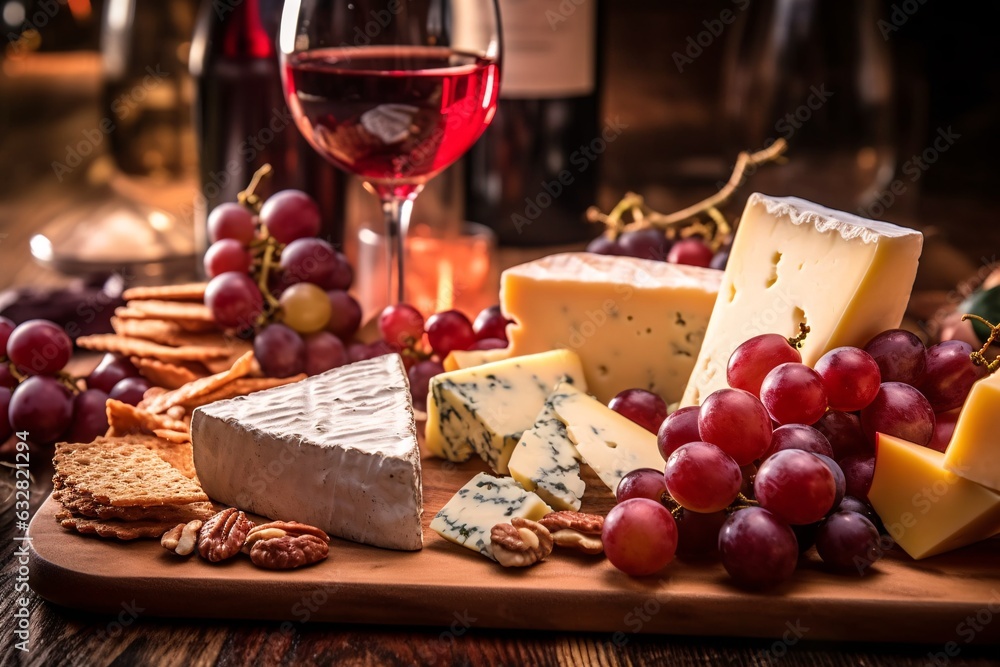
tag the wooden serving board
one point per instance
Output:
(449, 587)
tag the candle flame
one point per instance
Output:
(445, 286)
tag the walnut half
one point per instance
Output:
(520, 543)
(288, 552)
(223, 535)
(182, 538)
(576, 530)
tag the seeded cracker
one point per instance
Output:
(121, 474)
(188, 292)
(122, 530)
(85, 506)
(201, 387)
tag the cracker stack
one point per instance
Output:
(169, 335)
(127, 487)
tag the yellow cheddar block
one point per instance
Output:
(926, 509)
(459, 359)
(635, 323)
(974, 450)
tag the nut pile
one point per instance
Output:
(523, 542)
(277, 545)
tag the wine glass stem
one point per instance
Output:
(396, 211)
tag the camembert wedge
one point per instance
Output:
(337, 451)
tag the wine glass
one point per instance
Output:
(393, 91)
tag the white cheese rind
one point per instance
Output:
(545, 460)
(635, 323)
(482, 503)
(793, 261)
(485, 409)
(610, 444)
(337, 451)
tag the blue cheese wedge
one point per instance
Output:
(484, 502)
(545, 460)
(485, 409)
(610, 444)
(337, 451)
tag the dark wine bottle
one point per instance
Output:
(534, 172)
(241, 119)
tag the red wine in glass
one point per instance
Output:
(394, 115)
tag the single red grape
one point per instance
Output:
(643, 407)
(112, 369)
(737, 423)
(702, 478)
(490, 344)
(843, 431)
(679, 428)
(280, 351)
(90, 416)
(345, 314)
(848, 541)
(309, 260)
(448, 331)
(602, 245)
(420, 375)
(639, 536)
(692, 251)
(401, 324)
(290, 215)
(796, 486)
(900, 355)
(794, 394)
(491, 323)
(230, 220)
(851, 378)
(858, 472)
(226, 255)
(950, 374)
(42, 407)
(234, 299)
(944, 429)
(645, 244)
(39, 347)
(899, 410)
(799, 436)
(755, 358)
(641, 483)
(130, 390)
(323, 352)
(758, 550)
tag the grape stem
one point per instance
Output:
(248, 197)
(799, 340)
(687, 222)
(979, 356)
(64, 378)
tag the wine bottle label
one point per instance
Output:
(548, 48)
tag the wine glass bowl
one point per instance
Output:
(393, 92)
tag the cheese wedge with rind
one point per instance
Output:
(635, 323)
(484, 410)
(926, 509)
(609, 443)
(337, 451)
(793, 262)
(468, 518)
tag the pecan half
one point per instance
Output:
(182, 538)
(520, 543)
(275, 529)
(575, 530)
(288, 552)
(223, 535)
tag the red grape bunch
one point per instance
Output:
(269, 275)
(425, 345)
(42, 401)
(782, 460)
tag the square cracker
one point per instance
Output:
(114, 471)
(186, 292)
(125, 313)
(140, 347)
(206, 385)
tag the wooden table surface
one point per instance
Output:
(65, 637)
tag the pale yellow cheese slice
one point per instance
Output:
(974, 450)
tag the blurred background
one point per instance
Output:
(116, 112)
